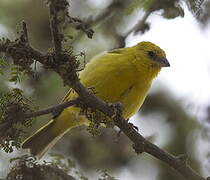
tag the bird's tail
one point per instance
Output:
(42, 140)
(46, 137)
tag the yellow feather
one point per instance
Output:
(122, 75)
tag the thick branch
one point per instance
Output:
(92, 101)
(16, 49)
(140, 143)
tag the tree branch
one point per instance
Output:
(139, 141)
(17, 49)
(179, 163)
(80, 25)
(53, 109)
(141, 24)
(90, 22)
(55, 29)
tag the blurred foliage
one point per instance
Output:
(13, 104)
(111, 21)
(12, 13)
(12, 107)
(106, 176)
(15, 75)
(204, 16)
(183, 125)
(27, 167)
(59, 168)
(195, 6)
(171, 8)
(105, 151)
(3, 64)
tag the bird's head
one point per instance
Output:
(151, 55)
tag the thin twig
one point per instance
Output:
(92, 101)
(25, 32)
(80, 25)
(56, 36)
(91, 22)
(140, 143)
(140, 24)
(53, 109)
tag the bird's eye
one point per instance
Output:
(151, 54)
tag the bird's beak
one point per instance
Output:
(163, 62)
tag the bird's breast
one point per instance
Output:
(124, 88)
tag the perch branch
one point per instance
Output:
(179, 163)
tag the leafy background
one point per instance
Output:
(174, 115)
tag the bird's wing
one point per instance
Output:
(109, 74)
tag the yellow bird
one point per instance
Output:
(122, 75)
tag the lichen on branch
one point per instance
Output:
(65, 64)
